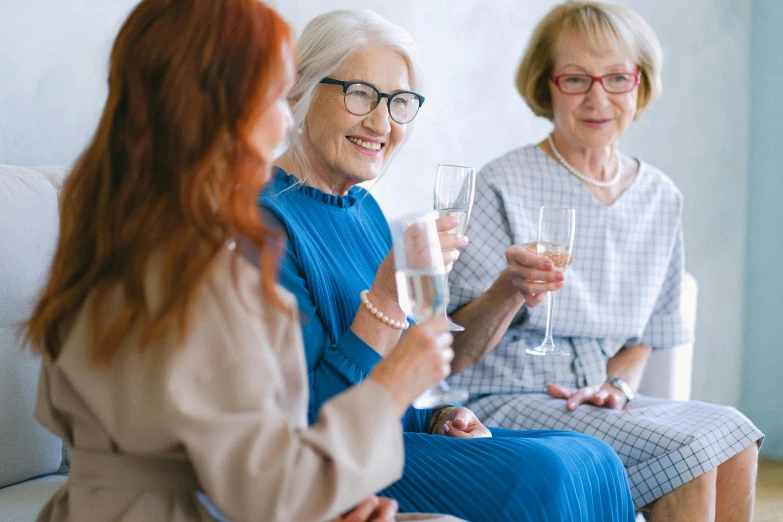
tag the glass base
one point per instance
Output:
(547, 349)
(454, 327)
(440, 395)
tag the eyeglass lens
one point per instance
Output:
(361, 99)
(613, 83)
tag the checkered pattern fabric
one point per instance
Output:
(663, 444)
(623, 289)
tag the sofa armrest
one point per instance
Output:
(29, 227)
(23, 502)
(668, 373)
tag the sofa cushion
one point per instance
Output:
(22, 502)
(29, 225)
(28, 234)
(54, 173)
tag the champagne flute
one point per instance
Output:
(422, 287)
(556, 228)
(454, 190)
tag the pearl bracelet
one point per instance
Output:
(380, 315)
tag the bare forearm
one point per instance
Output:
(629, 363)
(486, 320)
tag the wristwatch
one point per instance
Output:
(622, 386)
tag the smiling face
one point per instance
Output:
(344, 149)
(594, 119)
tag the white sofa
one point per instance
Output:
(31, 459)
(668, 372)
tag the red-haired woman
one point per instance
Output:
(173, 366)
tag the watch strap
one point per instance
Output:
(622, 386)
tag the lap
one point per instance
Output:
(426, 517)
(513, 476)
(647, 428)
(663, 444)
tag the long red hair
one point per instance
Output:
(170, 168)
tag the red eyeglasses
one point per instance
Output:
(615, 83)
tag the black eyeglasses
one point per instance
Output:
(362, 98)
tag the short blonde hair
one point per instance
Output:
(598, 23)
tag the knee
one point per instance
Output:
(700, 490)
(741, 467)
(750, 457)
(600, 451)
(564, 474)
(734, 419)
(706, 481)
(583, 459)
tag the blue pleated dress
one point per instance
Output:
(335, 246)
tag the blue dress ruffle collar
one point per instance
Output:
(296, 184)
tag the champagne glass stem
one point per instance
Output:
(550, 304)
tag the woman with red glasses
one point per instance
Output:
(592, 69)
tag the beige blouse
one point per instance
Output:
(224, 414)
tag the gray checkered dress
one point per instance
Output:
(623, 289)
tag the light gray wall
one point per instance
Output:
(53, 58)
(53, 70)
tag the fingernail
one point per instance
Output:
(559, 276)
(463, 240)
(548, 265)
(560, 284)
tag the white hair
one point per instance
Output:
(325, 44)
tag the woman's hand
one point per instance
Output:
(449, 242)
(604, 395)
(460, 423)
(372, 509)
(532, 275)
(421, 359)
(383, 292)
(384, 287)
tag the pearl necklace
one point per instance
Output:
(586, 179)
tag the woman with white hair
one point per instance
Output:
(172, 365)
(353, 103)
(591, 69)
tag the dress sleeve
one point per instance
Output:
(489, 234)
(666, 327)
(255, 463)
(416, 421)
(332, 367)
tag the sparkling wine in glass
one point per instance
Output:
(454, 190)
(422, 293)
(422, 287)
(556, 228)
